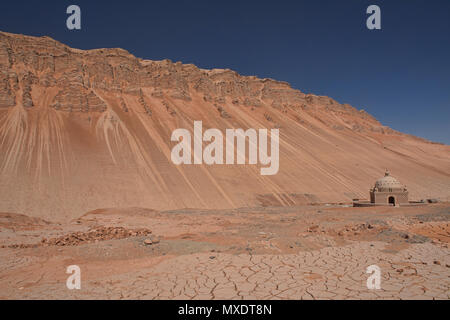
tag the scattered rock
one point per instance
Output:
(94, 236)
(268, 117)
(313, 228)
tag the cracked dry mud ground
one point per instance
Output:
(265, 253)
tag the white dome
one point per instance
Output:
(388, 183)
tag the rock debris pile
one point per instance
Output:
(92, 236)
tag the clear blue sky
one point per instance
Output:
(400, 74)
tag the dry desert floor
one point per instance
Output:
(310, 252)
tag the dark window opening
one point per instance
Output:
(391, 201)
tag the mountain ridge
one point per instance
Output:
(91, 129)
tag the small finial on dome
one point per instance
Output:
(387, 173)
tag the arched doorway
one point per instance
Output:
(391, 200)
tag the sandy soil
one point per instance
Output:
(310, 252)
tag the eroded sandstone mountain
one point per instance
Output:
(81, 130)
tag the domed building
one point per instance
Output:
(388, 191)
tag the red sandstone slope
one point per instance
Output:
(81, 130)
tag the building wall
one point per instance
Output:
(383, 197)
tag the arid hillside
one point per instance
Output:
(83, 130)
